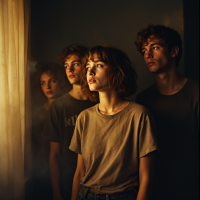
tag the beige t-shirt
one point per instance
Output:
(112, 145)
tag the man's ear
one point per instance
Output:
(174, 51)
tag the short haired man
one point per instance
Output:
(60, 124)
(174, 103)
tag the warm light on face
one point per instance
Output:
(156, 55)
(50, 85)
(73, 67)
(97, 74)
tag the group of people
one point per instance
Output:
(93, 143)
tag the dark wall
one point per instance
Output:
(56, 24)
(191, 38)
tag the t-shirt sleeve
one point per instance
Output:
(76, 138)
(51, 130)
(147, 135)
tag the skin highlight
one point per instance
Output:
(97, 74)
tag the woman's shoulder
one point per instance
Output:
(138, 109)
(88, 112)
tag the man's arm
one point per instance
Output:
(54, 162)
(146, 174)
(80, 172)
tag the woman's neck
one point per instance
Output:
(111, 103)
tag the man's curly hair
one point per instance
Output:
(170, 37)
(72, 49)
(50, 69)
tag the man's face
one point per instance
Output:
(73, 67)
(156, 55)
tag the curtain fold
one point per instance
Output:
(14, 97)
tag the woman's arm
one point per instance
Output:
(79, 173)
(146, 174)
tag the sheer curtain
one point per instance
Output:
(14, 101)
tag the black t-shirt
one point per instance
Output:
(177, 122)
(59, 127)
(40, 153)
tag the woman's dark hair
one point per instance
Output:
(72, 49)
(170, 37)
(122, 74)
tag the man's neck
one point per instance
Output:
(170, 82)
(76, 92)
(48, 103)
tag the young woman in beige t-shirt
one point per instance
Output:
(108, 77)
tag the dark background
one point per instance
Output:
(56, 24)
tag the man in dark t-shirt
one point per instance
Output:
(60, 124)
(174, 103)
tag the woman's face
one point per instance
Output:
(50, 86)
(97, 74)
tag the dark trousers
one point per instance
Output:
(87, 194)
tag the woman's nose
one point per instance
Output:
(92, 70)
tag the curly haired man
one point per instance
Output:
(174, 103)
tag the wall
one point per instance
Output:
(56, 24)
(191, 38)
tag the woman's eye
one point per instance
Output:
(66, 66)
(53, 81)
(42, 83)
(87, 68)
(98, 65)
(155, 47)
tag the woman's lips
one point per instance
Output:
(71, 76)
(91, 80)
(49, 92)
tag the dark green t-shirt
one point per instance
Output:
(40, 156)
(59, 127)
(177, 122)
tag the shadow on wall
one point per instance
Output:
(191, 38)
(57, 24)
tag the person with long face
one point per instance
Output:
(50, 83)
(115, 139)
(61, 121)
(174, 103)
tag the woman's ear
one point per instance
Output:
(174, 51)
